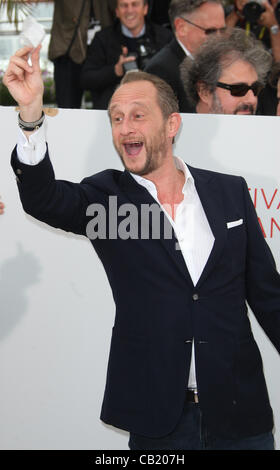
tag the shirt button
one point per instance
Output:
(195, 297)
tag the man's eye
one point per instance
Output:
(138, 115)
(117, 119)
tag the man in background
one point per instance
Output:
(74, 24)
(193, 23)
(128, 44)
(227, 75)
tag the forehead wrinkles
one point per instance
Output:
(127, 96)
(131, 104)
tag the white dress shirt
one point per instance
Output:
(186, 51)
(191, 226)
(193, 232)
(31, 151)
(128, 33)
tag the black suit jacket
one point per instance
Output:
(159, 310)
(166, 65)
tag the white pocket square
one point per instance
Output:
(234, 223)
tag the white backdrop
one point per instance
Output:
(57, 310)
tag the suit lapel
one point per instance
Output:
(177, 50)
(211, 199)
(138, 195)
(212, 202)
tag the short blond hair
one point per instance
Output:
(166, 97)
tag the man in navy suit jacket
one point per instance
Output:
(184, 369)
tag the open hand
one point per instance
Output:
(24, 81)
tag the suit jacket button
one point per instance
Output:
(195, 297)
(18, 171)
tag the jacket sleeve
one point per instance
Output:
(61, 204)
(262, 277)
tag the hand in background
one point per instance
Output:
(1, 208)
(123, 59)
(268, 18)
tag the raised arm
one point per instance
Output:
(24, 82)
(61, 204)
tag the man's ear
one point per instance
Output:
(146, 9)
(173, 124)
(180, 26)
(204, 94)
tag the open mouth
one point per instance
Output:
(133, 148)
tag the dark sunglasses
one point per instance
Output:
(241, 89)
(206, 30)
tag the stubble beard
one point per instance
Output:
(155, 152)
(217, 107)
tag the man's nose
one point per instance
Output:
(251, 97)
(219, 33)
(129, 8)
(127, 126)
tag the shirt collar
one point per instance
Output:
(186, 51)
(180, 164)
(128, 33)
